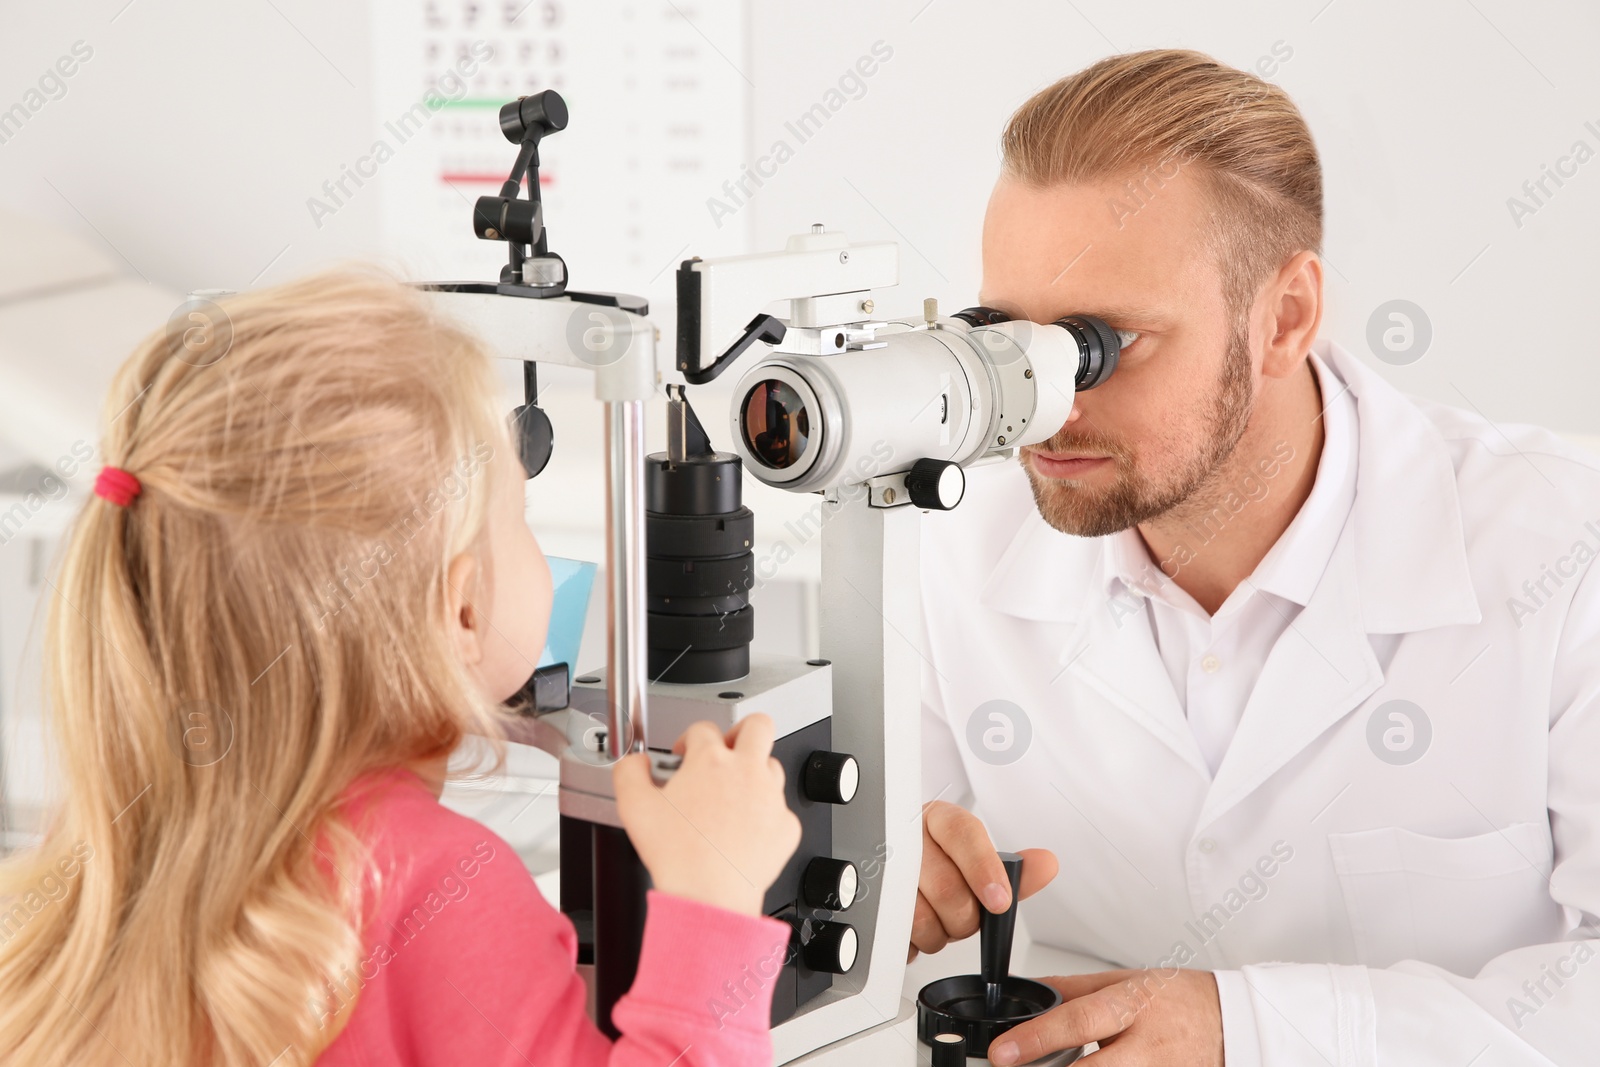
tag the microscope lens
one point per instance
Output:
(776, 424)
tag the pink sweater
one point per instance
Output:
(466, 962)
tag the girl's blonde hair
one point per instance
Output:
(265, 623)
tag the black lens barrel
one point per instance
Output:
(1098, 348)
(700, 568)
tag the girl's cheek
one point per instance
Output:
(537, 593)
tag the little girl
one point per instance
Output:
(304, 577)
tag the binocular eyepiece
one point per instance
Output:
(1098, 346)
(977, 383)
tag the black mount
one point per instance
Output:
(526, 121)
(767, 328)
(520, 223)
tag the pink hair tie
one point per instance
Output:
(116, 485)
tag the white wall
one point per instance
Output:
(191, 139)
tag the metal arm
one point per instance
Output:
(540, 331)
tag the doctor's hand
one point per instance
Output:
(1161, 1018)
(961, 872)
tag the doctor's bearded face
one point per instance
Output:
(1181, 396)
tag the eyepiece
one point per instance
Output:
(1098, 348)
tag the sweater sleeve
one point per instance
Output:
(703, 991)
(479, 968)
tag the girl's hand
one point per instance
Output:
(719, 831)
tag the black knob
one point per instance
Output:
(830, 883)
(538, 114)
(949, 1050)
(996, 931)
(831, 777)
(831, 948)
(936, 484)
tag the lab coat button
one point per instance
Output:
(1211, 664)
(1207, 845)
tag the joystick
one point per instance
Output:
(981, 1007)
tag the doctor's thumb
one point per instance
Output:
(1039, 869)
(1034, 1039)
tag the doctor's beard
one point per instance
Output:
(1133, 497)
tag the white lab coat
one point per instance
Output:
(1357, 909)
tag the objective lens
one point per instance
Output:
(776, 424)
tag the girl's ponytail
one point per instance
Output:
(245, 620)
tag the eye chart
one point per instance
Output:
(659, 103)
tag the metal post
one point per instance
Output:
(625, 578)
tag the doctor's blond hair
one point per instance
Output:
(278, 586)
(1145, 115)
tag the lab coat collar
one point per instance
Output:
(1295, 565)
(1410, 564)
(1410, 541)
(1399, 565)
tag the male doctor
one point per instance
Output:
(1296, 678)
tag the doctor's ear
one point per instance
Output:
(464, 621)
(1289, 313)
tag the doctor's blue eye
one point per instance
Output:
(1126, 337)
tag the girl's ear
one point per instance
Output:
(463, 619)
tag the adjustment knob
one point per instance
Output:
(831, 777)
(830, 883)
(831, 949)
(949, 1050)
(936, 484)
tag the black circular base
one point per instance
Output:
(956, 1006)
(697, 667)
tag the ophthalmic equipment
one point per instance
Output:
(881, 418)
